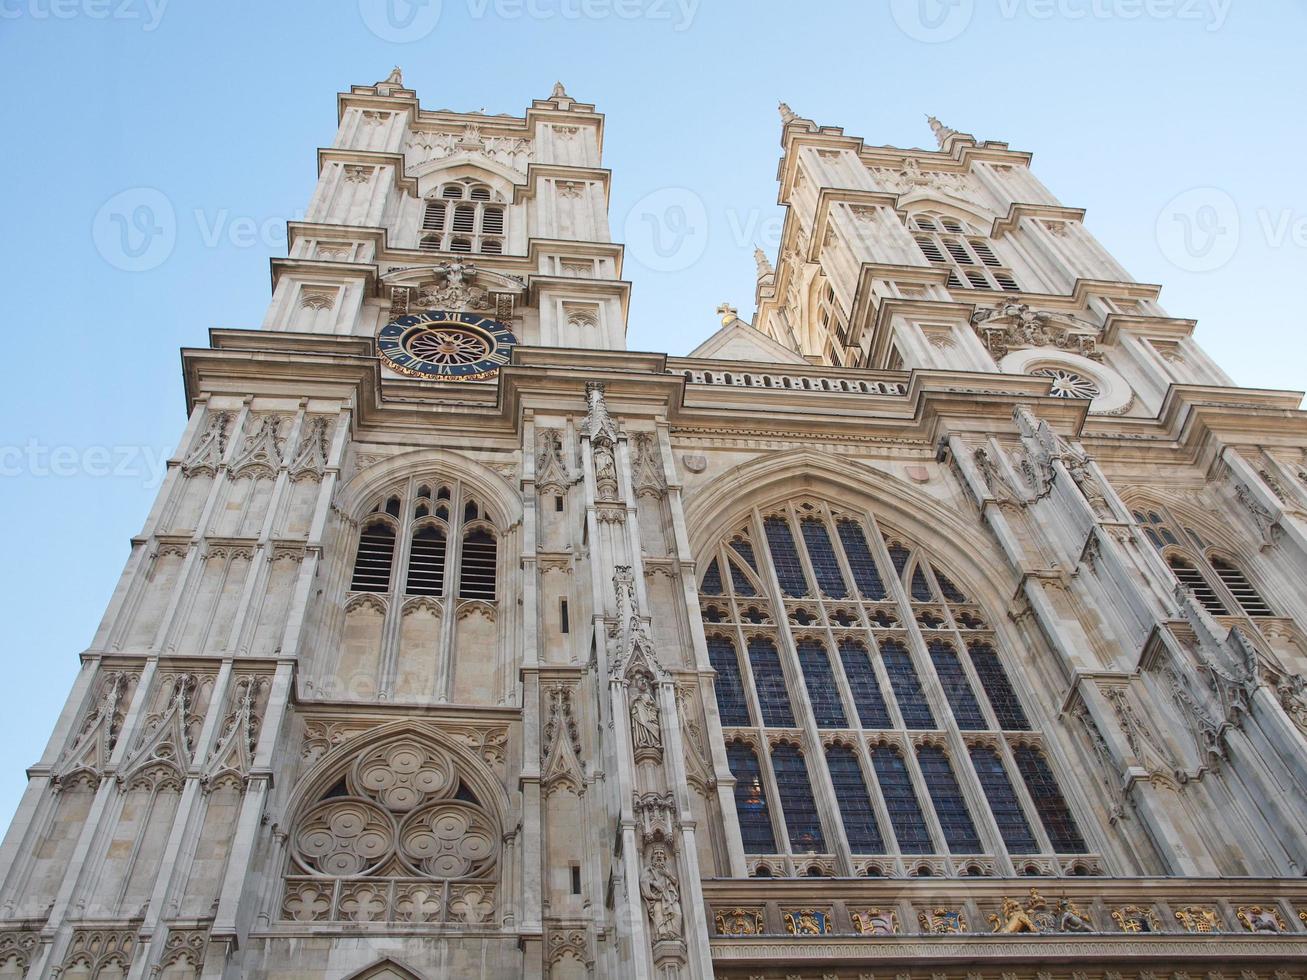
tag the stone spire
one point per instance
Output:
(559, 92)
(392, 82)
(787, 114)
(764, 264)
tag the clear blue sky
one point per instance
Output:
(219, 107)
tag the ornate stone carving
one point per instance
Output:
(875, 922)
(210, 448)
(738, 922)
(1291, 690)
(560, 748)
(806, 922)
(647, 465)
(1267, 524)
(456, 290)
(661, 891)
(512, 151)
(234, 752)
(310, 460)
(646, 726)
(551, 471)
(1136, 918)
(1198, 918)
(260, 452)
(943, 920)
(997, 482)
(1260, 918)
(100, 952)
(1015, 326)
(1145, 744)
(99, 733)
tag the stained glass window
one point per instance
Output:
(1007, 708)
(901, 800)
(865, 574)
(951, 592)
(860, 824)
(1003, 802)
(957, 689)
(921, 585)
(907, 685)
(899, 556)
(740, 582)
(745, 550)
(1054, 814)
(822, 555)
(867, 696)
(789, 572)
(750, 800)
(823, 695)
(769, 682)
(712, 580)
(797, 804)
(731, 705)
(950, 807)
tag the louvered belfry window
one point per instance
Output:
(1217, 581)
(421, 512)
(820, 620)
(463, 216)
(969, 257)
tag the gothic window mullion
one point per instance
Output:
(389, 658)
(1027, 802)
(747, 679)
(844, 691)
(818, 776)
(453, 584)
(880, 557)
(963, 652)
(878, 804)
(780, 830)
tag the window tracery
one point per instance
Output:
(828, 622)
(463, 216)
(969, 256)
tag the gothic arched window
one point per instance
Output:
(475, 224)
(750, 800)
(969, 256)
(823, 621)
(1216, 581)
(412, 513)
(797, 803)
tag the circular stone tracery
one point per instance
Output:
(1068, 383)
(447, 345)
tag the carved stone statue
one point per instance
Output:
(1013, 918)
(646, 728)
(1292, 692)
(662, 895)
(1070, 918)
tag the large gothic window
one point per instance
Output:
(1216, 580)
(822, 621)
(400, 833)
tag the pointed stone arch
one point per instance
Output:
(387, 969)
(503, 501)
(771, 479)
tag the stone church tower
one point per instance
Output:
(945, 620)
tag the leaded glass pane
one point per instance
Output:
(859, 818)
(822, 555)
(1054, 814)
(823, 695)
(957, 689)
(921, 585)
(1003, 803)
(950, 591)
(867, 696)
(797, 803)
(950, 807)
(769, 682)
(712, 580)
(1008, 710)
(731, 705)
(865, 574)
(901, 801)
(746, 552)
(785, 559)
(899, 556)
(750, 800)
(907, 686)
(740, 582)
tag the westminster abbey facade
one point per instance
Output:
(946, 620)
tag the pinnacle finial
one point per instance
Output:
(728, 313)
(764, 264)
(396, 77)
(559, 92)
(787, 114)
(942, 133)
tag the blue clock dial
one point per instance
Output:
(446, 346)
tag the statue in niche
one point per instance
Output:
(662, 894)
(646, 729)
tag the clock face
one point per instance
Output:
(446, 346)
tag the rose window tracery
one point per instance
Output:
(403, 817)
(1068, 383)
